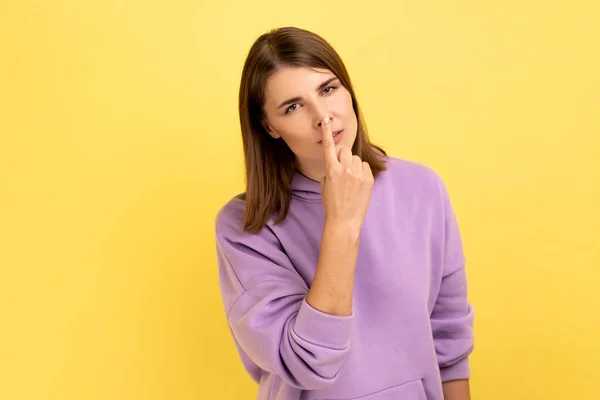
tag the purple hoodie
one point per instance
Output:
(411, 326)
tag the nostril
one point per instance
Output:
(322, 119)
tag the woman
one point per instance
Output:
(341, 269)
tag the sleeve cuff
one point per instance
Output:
(323, 329)
(460, 370)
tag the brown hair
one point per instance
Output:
(270, 164)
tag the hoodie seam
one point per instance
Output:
(319, 200)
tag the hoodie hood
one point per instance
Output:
(306, 189)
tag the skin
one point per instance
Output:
(307, 124)
(457, 390)
(299, 123)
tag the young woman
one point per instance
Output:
(341, 269)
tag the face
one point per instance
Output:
(296, 101)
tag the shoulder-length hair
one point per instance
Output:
(270, 164)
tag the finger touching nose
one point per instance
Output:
(322, 117)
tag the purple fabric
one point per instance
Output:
(412, 324)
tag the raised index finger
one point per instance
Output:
(328, 144)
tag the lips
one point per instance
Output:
(335, 133)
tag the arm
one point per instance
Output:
(333, 284)
(457, 390)
(271, 321)
(452, 315)
(346, 187)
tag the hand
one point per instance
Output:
(347, 184)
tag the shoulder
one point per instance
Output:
(229, 224)
(413, 178)
(231, 214)
(246, 259)
(229, 221)
(408, 167)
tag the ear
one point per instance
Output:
(270, 130)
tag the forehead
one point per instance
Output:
(289, 82)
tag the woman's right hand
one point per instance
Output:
(347, 184)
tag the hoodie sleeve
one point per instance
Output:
(267, 312)
(452, 315)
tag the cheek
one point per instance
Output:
(349, 105)
(342, 104)
(297, 134)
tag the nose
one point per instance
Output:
(321, 110)
(322, 117)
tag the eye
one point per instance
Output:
(291, 108)
(327, 91)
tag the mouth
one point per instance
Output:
(335, 134)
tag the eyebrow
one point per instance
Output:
(323, 85)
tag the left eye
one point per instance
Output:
(327, 91)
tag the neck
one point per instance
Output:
(313, 170)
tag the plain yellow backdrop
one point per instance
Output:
(120, 141)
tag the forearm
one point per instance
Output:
(333, 284)
(457, 390)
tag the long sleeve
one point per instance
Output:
(452, 316)
(265, 302)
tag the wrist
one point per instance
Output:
(342, 230)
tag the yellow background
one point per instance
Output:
(120, 141)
